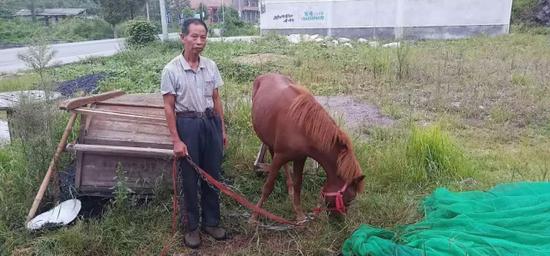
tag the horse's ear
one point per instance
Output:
(342, 141)
(358, 179)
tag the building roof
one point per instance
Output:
(52, 12)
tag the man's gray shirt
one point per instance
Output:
(193, 90)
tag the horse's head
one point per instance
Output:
(338, 200)
(339, 192)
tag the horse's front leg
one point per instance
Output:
(298, 170)
(276, 164)
(289, 185)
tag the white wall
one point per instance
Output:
(383, 13)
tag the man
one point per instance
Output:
(194, 114)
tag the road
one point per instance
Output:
(73, 52)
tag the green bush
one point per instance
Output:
(233, 26)
(83, 29)
(122, 28)
(522, 10)
(16, 31)
(23, 32)
(435, 156)
(140, 32)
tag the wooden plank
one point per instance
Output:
(142, 173)
(131, 105)
(129, 131)
(131, 151)
(137, 110)
(88, 111)
(140, 144)
(88, 120)
(81, 101)
(127, 142)
(154, 99)
(78, 174)
(80, 139)
(116, 119)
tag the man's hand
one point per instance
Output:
(180, 149)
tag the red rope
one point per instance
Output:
(240, 199)
(205, 176)
(340, 206)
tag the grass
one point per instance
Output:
(469, 114)
(18, 82)
(21, 32)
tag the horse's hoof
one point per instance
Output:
(301, 220)
(300, 223)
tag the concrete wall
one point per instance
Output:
(387, 19)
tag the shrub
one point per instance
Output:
(433, 155)
(77, 29)
(140, 32)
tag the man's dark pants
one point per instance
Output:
(203, 138)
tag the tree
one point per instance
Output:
(11, 6)
(38, 57)
(114, 12)
(133, 6)
(187, 13)
(5, 10)
(176, 6)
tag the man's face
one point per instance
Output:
(195, 40)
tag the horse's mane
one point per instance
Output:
(320, 127)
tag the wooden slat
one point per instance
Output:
(154, 99)
(78, 174)
(88, 111)
(99, 171)
(136, 110)
(81, 101)
(131, 151)
(129, 131)
(124, 143)
(131, 105)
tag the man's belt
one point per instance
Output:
(194, 114)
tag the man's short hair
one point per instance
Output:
(188, 22)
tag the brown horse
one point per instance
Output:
(294, 126)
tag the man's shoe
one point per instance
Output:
(192, 239)
(215, 232)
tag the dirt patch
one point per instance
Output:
(260, 58)
(354, 113)
(212, 247)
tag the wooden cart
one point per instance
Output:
(128, 133)
(117, 132)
